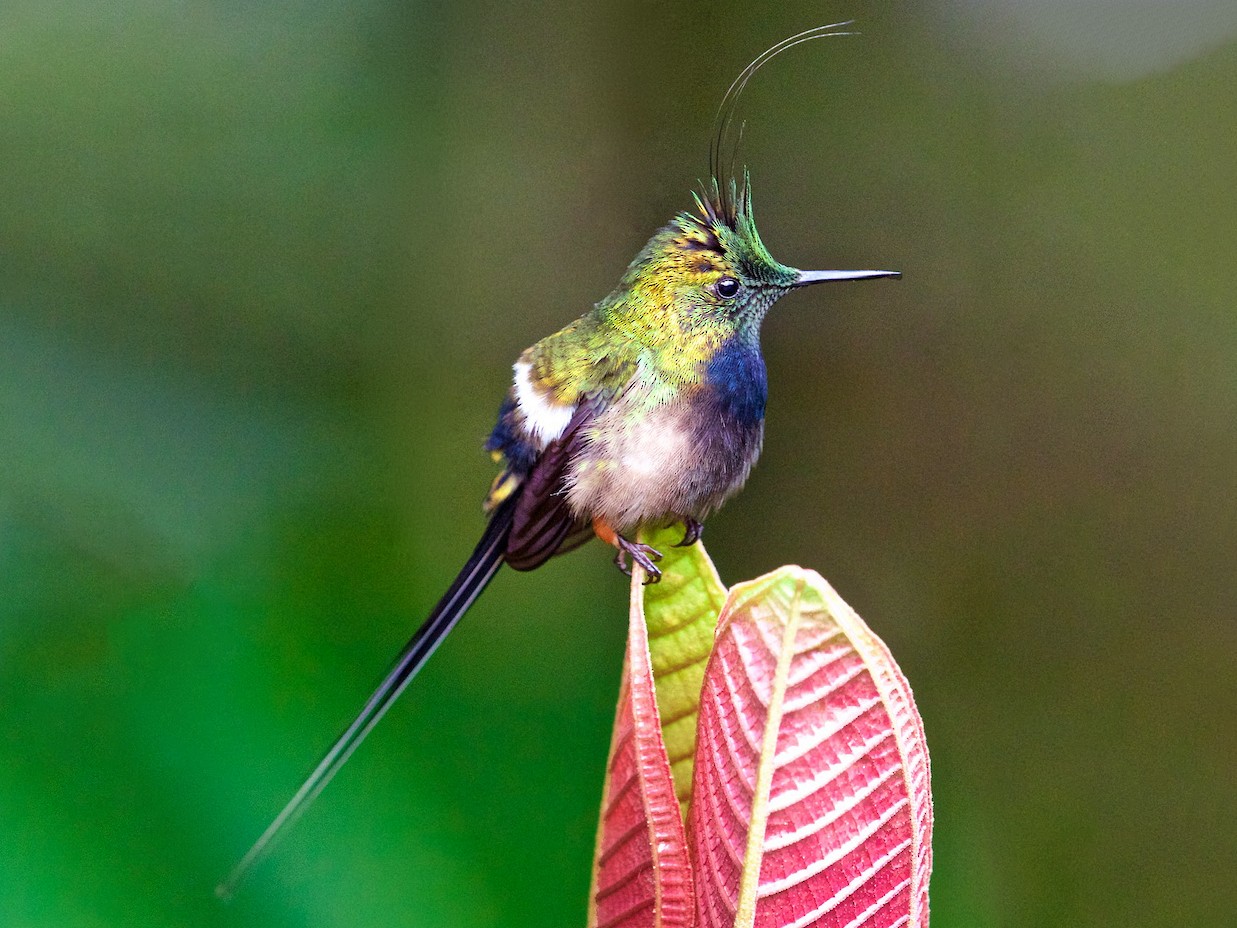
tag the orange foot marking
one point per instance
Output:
(605, 532)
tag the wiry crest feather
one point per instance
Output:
(728, 206)
(723, 200)
(724, 223)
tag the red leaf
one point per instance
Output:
(811, 802)
(641, 874)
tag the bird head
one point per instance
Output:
(710, 266)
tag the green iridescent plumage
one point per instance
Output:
(663, 307)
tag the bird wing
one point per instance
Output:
(544, 522)
(562, 384)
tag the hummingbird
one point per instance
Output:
(646, 411)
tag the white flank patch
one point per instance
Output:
(545, 418)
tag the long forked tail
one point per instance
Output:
(467, 586)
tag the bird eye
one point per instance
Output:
(727, 287)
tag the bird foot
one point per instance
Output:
(692, 530)
(641, 554)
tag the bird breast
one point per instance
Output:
(647, 462)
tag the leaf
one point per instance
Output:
(811, 795)
(641, 873)
(681, 613)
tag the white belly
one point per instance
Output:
(647, 466)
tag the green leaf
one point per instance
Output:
(681, 613)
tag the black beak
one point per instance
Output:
(821, 277)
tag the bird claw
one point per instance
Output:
(692, 530)
(641, 554)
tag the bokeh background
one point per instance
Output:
(264, 268)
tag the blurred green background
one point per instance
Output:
(264, 268)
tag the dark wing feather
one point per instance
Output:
(543, 523)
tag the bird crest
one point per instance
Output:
(723, 234)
